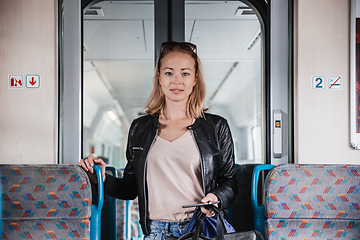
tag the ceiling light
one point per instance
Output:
(241, 11)
(111, 115)
(95, 11)
(255, 40)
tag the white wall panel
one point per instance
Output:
(322, 116)
(28, 116)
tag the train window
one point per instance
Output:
(118, 55)
(228, 37)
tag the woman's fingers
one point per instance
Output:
(102, 164)
(208, 213)
(82, 164)
(88, 164)
(210, 197)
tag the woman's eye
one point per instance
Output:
(168, 73)
(186, 74)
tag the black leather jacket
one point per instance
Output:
(214, 141)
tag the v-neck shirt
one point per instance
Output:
(173, 178)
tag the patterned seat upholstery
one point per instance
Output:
(313, 202)
(45, 202)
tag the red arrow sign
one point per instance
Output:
(32, 82)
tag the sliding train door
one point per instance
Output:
(107, 78)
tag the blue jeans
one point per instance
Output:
(159, 230)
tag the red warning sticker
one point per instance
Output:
(16, 81)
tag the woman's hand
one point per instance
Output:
(88, 164)
(210, 197)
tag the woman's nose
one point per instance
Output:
(177, 79)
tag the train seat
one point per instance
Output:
(45, 202)
(312, 201)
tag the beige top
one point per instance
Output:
(173, 178)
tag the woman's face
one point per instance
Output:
(177, 76)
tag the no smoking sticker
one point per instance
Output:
(335, 82)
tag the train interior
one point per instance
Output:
(119, 67)
(94, 63)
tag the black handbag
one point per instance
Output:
(220, 230)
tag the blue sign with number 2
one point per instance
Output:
(318, 82)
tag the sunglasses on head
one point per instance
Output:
(184, 45)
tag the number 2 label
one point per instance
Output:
(318, 82)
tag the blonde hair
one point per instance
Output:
(156, 102)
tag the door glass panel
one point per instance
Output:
(118, 63)
(228, 38)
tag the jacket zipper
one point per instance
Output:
(145, 196)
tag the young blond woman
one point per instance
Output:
(177, 154)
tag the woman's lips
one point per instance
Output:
(176, 91)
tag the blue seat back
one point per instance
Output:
(259, 216)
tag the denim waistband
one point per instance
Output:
(162, 224)
(166, 228)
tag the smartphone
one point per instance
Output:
(201, 204)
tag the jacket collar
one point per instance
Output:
(193, 126)
(156, 121)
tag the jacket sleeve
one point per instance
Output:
(226, 182)
(125, 187)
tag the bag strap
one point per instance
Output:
(198, 225)
(220, 227)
